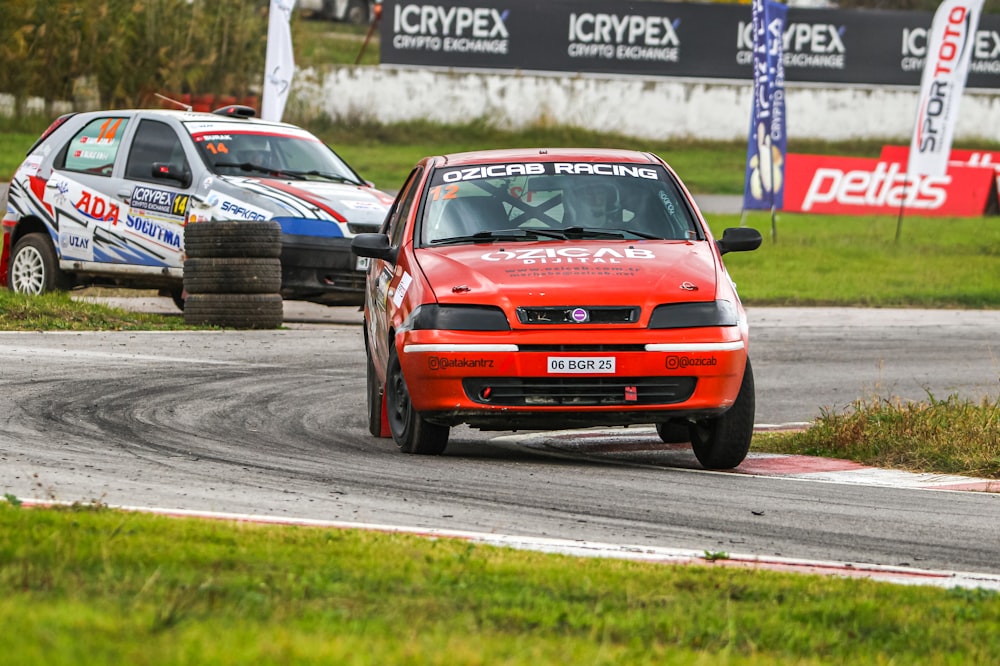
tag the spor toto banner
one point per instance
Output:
(949, 51)
(866, 186)
(670, 39)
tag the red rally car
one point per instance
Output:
(555, 288)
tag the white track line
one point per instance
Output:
(879, 573)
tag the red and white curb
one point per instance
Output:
(642, 444)
(653, 554)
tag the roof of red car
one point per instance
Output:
(545, 155)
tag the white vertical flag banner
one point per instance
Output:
(279, 64)
(949, 50)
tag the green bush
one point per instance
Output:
(117, 53)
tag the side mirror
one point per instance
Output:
(375, 246)
(739, 239)
(169, 171)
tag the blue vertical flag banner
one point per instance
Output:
(768, 140)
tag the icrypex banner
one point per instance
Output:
(763, 187)
(675, 39)
(866, 186)
(949, 50)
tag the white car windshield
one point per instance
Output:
(269, 154)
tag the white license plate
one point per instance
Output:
(362, 263)
(562, 365)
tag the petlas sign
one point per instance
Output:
(864, 186)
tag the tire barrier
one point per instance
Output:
(232, 274)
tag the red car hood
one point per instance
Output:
(599, 272)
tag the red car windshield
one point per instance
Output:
(555, 200)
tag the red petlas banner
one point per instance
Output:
(964, 157)
(865, 186)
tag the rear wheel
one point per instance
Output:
(34, 267)
(724, 441)
(376, 401)
(413, 433)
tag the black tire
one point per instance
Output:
(412, 433)
(34, 267)
(234, 310)
(232, 276)
(233, 238)
(374, 400)
(724, 441)
(178, 296)
(674, 432)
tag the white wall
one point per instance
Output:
(633, 106)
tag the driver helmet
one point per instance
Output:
(596, 204)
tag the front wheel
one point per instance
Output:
(413, 433)
(674, 432)
(724, 441)
(34, 267)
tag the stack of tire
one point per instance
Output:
(232, 274)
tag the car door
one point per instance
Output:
(154, 194)
(382, 273)
(79, 191)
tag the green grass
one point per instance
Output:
(319, 43)
(58, 311)
(856, 261)
(84, 586)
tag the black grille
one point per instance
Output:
(354, 280)
(578, 391)
(573, 314)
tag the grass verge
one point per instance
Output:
(97, 586)
(947, 436)
(58, 311)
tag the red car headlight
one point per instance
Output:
(694, 315)
(434, 317)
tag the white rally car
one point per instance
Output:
(103, 198)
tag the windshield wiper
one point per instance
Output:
(500, 235)
(244, 166)
(590, 232)
(319, 174)
(585, 232)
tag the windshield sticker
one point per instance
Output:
(549, 168)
